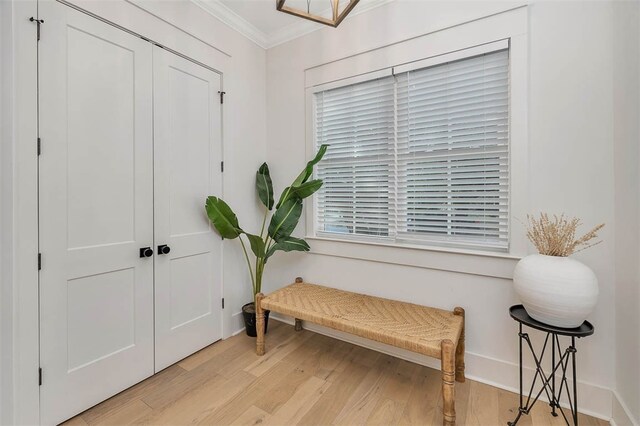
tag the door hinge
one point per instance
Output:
(39, 146)
(223, 303)
(38, 23)
(221, 96)
(222, 166)
(39, 376)
(39, 261)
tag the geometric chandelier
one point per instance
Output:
(332, 17)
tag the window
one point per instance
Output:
(421, 156)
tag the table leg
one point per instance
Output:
(521, 407)
(575, 383)
(552, 403)
(520, 336)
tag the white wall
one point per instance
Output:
(186, 28)
(571, 149)
(627, 198)
(570, 162)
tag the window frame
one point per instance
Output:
(509, 30)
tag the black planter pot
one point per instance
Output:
(249, 315)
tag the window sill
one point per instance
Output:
(489, 264)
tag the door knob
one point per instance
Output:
(146, 252)
(164, 249)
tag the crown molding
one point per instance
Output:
(227, 16)
(304, 27)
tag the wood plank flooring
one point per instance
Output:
(308, 379)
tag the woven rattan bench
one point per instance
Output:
(429, 331)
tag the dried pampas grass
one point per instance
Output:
(556, 236)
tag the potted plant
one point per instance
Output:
(275, 237)
(555, 289)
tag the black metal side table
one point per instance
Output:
(563, 358)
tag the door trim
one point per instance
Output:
(24, 390)
(155, 43)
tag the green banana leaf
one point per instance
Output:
(289, 244)
(303, 176)
(308, 170)
(285, 219)
(306, 189)
(301, 192)
(264, 186)
(257, 244)
(223, 218)
(285, 194)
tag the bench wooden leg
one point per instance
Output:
(259, 325)
(447, 358)
(298, 327)
(460, 349)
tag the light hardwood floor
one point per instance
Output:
(304, 378)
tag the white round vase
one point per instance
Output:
(555, 290)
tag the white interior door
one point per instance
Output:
(96, 198)
(187, 141)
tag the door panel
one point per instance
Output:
(96, 198)
(191, 297)
(187, 143)
(87, 298)
(100, 144)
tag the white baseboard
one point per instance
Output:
(593, 400)
(621, 413)
(237, 323)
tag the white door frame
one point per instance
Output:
(21, 203)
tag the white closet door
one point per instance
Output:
(187, 148)
(96, 211)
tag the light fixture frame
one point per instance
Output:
(334, 22)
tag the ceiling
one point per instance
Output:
(261, 22)
(262, 14)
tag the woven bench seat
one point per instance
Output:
(428, 331)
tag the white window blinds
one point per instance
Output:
(357, 122)
(422, 156)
